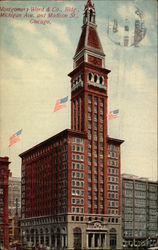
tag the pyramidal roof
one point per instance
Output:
(89, 38)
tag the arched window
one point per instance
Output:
(77, 238)
(113, 238)
(101, 80)
(95, 78)
(90, 76)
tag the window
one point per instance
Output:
(90, 79)
(73, 201)
(1, 190)
(95, 78)
(89, 96)
(77, 238)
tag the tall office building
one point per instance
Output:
(71, 182)
(14, 208)
(14, 195)
(139, 211)
(4, 224)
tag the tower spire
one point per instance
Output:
(89, 44)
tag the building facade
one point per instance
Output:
(71, 182)
(14, 195)
(4, 224)
(14, 207)
(139, 211)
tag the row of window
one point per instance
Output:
(113, 187)
(95, 124)
(92, 77)
(113, 211)
(95, 186)
(77, 192)
(77, 201)
(77, 157)
(113, 171)
(153, 196)
(112, 147)
(95, 169)
(113, 154)
(138, 202)
(77, 140)
(47, 149)
(96, 99)
(113, 195)
(113, 203)
(77, 183)
(96, 117)
(77, 175)
(96, 110)
(95, 202)
(77, 210)
(113, 179)
(95, 161)
(77, 166)
(77, 148)
(140, 186)
(113, 163)
(95, 178)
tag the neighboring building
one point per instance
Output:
(14, 196)
(4, 224)
(71, 182)
(14, 205)
(14, 230)
(139, 211)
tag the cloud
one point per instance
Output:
(48, 46)
(61, 33)
(24, 26)
(126, 11)
(16, 68)
(33, 46)
(10, 62)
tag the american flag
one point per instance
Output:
(113, 114)
(61, 103)
(15, 137)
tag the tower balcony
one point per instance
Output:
(77, 86)
(98, 85)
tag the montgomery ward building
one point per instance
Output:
(71, 182)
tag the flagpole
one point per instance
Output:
(21, 145)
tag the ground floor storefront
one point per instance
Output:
(72, 232)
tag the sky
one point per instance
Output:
(36, 55)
